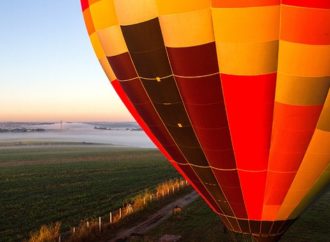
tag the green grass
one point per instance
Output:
(199, 224)
(47, 184)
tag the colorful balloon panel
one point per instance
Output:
(234, 93)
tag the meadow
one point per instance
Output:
(198, 223)
(44, 184)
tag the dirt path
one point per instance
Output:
(156, 218)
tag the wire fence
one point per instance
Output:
(136, 204)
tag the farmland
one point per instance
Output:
(198, 223)
(44, 184)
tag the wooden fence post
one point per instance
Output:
(119, 213)
(100, 224)
(87, 224)
(74, 230)
(59, 238)
(110, 218)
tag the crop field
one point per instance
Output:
(44, 184)
(198, 223)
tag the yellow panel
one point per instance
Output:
(301, 90)
(103, 14)
(187, 29)
(316, 160)
(107, 69)
(112, 41)
(132, 11)
(255, 24)
(304, 60)
(324, 121)
(175, 6)
(247, 58)
(97, 46)
(318, 187)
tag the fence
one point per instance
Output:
(138, 203)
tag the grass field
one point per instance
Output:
(198, 223)
(44, 184)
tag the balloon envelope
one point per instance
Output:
(234, 93)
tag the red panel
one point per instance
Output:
(253, 188)
(243, 3)
(249, 103)
(308, 3)
(84, 4)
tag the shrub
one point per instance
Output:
(46, 233)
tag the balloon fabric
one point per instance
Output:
(235, 94)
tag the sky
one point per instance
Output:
(48, 70)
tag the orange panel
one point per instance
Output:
(89, 21)
(305, 25)
(293, 128)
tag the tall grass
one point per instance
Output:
(46, 233)
(89, 230)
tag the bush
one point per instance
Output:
(46, 233)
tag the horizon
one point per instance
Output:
(69, 121)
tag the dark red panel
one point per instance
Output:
(151, 60)
(139, 120)
(203, 90)
(230, 186)
(134, 90)
(204, 193)
(212, 116)
(208, 116)
(122, 66)
(308, 3)
(222, 159)
(204, 102)
(170, 152)
(194, 61)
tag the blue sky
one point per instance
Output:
(48, 70)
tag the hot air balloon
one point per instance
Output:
(235, 93)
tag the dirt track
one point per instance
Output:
(156, 218)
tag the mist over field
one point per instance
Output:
(108, 133)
